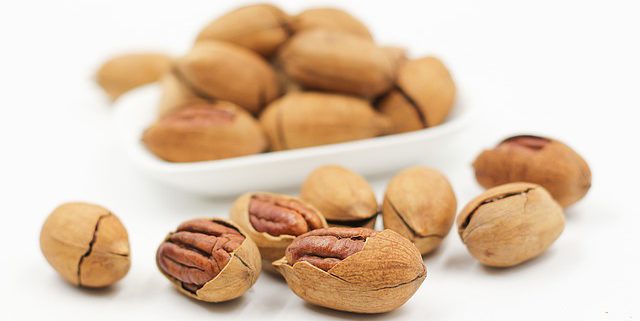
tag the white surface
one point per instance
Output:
(567, 69)
(137, 110)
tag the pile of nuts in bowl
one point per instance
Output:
(324, 242)
(258, 79)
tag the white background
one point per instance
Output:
(566, 69)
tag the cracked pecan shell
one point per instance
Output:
(86, 244)
(209, 259)
(274, 220)
(353, 269)
(544, 161)
(220, 70)
(420, 204)
(423, 96)
(510, 224)
(260, 27)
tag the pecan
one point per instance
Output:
(525, 141)
(281, 216)
(197, 252)
(324, 248)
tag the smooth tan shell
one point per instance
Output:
(424, 96)
(420, 204)
(179, 143)
(236, 277)
(329, 18)
(556, 167)
(303, 119)
(271, 247)
(86, 244)
(339, 193)
(175, 94)
(334, 61)
(261, 28)
(229, 72)
(506, 231)
(380, 278)
(122, 73)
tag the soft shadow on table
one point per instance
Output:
(340, 315)
(221, 307)
(464, 261)
(101, 292)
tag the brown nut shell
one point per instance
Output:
(240, 272)
(225, 71)
(420, 205)
(334, 61)
(329, 18)
(377, 277)
(303, 119)
(340, 194)
(203, 132)
(122, 73)
(272, 246)
(510, 224)
(175, 94)
(423, 97)
(544, 161)
(86, 244)
(261, 28)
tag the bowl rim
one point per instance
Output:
(461, 116)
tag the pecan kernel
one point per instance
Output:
(280, 216)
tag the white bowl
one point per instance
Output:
(279, 170)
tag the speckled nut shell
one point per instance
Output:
(423, 97)
(545, 161)
(510, 224)
(420, 205)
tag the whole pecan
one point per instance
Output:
(327, 247)
(278, 215)
(197, 252)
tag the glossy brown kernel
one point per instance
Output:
(278, 216)
(324, 248)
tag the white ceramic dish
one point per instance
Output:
(279, 170)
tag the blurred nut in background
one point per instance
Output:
(420, 205)
(335, 61)
(331, 19)
(261, 28)
(545, 161)
(303, 119)
(353, 269)
(344, 197)
(209, 260)
(122, 73)
(510, 224)
(225, 71)
(397, 55)
(205, 132)
(86, 244)
(423, 97)
(176, 94)
(274, 220)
